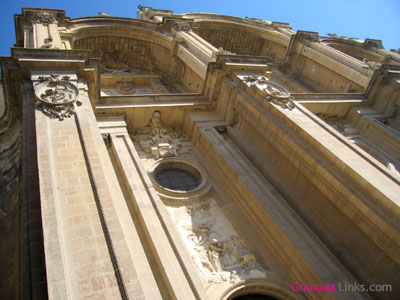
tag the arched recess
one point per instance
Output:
(242, 38)
(143, 54)
(139, 47)
(358, 50)
(262, 287)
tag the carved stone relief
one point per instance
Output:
(275, 93)
(112, 63)
(125, 87)
(46, 18)
(219, 253)
(157, 139)
(336, 122)
(181, 26)
(56, 96)
(236, 119)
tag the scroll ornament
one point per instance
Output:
(56, 97)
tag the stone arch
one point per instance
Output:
(262, 287)
(240, 36)
(139, 47)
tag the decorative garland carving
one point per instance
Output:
(56, 96)
(44, 18)
(125, 87)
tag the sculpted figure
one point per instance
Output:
(216, 250)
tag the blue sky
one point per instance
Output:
(377, 19)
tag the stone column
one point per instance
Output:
(84, 235)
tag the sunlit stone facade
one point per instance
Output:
(196, 156)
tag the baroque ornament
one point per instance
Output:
(216, 249)
(276, 93)
(181, 26)
(125, 87)
(56, 96)
(44, 18)
(157, 139)
(112, 63)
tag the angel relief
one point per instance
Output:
(157, 139)
(219, 253)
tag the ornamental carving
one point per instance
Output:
(113, 63)
(157, 139)
(236, 119)
(181, 26)
(274, 92)
(56, 96)
(215, 247)
(44, 18)
(125, 87)
(336, 122)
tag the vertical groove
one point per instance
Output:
(110, 247)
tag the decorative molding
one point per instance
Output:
(56, 96)
(125, 87)
(174, 197)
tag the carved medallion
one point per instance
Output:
(125, 87)
(56, 96)
(275, 93)
(279, 95)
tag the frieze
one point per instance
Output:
(56, 96)
(216, 249)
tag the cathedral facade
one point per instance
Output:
(197, 156)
